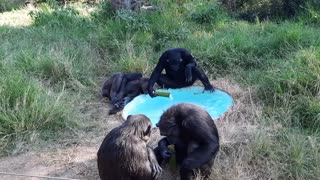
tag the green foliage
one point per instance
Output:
(298, 156)
(292, 154)
(27, 107)
(8, 5)
(307, 112)
(104, 12)
(132, 20)
(295, 82)
(57, 58)
(264, 9)
(42, 66)
(311, 13)
(208, 12)
(166, 29)
(59, 18)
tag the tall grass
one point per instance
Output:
(41, 65)
(6, 5)
(27, 107)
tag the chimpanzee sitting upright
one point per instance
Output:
(121, 88)
(124, 153)
(195, 138)
(181, 71)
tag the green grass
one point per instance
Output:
(27, 107)
(64, 52)
(41, 66)
(7, 5)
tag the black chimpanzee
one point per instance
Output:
(181, 71)
(195, 138)
(121, 88)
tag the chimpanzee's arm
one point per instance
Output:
(156, 73)
(203, 78)
(125, 79)
(105, 90)
(190, 63)
(191, 67)
(200, 156)
(133, 76)
(155, 167)
(206, 138)
(144, 85)
(162, 151)
(197, 158)
(117, 79)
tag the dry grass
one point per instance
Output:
(237, 129)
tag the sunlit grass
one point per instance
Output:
(16, 18)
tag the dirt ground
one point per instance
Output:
(77, 160)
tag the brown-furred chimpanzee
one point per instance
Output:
(121, 88)
(194, 135)
(124, 154)
(181, 71)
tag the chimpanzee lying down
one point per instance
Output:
(121, 88)
(194, 135)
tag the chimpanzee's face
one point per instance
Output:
(174, 63)
(168, 128)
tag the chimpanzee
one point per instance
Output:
(181, 71)
(195, 138)
(121, 88)
(124, 155)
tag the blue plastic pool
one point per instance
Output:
(215, 103)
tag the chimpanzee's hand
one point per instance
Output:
(156, 169)
(210, 88)
(151, 93)
(188, 77)
(188, 73)
(114, 100)
(120, 104)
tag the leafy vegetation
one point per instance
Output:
(9, 5)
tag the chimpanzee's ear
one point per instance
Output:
(148, 131)
(128, 117)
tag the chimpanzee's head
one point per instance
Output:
(174, 62)
(139, 125)
(168, 124)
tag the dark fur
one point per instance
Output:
(124, 155)
(181, 71)
(195, 137)
(121, 88)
